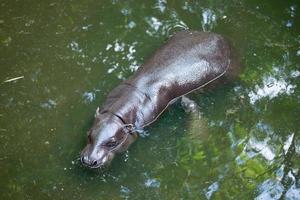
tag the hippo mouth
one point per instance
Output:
(93, 165)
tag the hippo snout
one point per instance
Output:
(90, 162)
(86, 161)
(94, 158)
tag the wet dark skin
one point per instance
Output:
(188, 61)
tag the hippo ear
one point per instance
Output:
(97, 112)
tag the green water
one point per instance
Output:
(68, 55)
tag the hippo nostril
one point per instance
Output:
(94, 163)
(85, 160)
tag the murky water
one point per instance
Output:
(66, 56)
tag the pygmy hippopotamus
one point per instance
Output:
(189, 60)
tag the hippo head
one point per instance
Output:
(108, 136)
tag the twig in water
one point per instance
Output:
(13, 79)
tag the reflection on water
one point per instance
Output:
(286, 182)
(59, 60)
(272, 86)
(209, 20)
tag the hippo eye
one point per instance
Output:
(111, 143)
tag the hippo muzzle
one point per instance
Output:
(96, 158)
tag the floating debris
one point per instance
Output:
(13, 79)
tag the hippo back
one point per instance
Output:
(188, 61)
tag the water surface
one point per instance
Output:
(67, 55)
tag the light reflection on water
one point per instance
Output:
(272, 86)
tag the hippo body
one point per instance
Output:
(188, 61)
